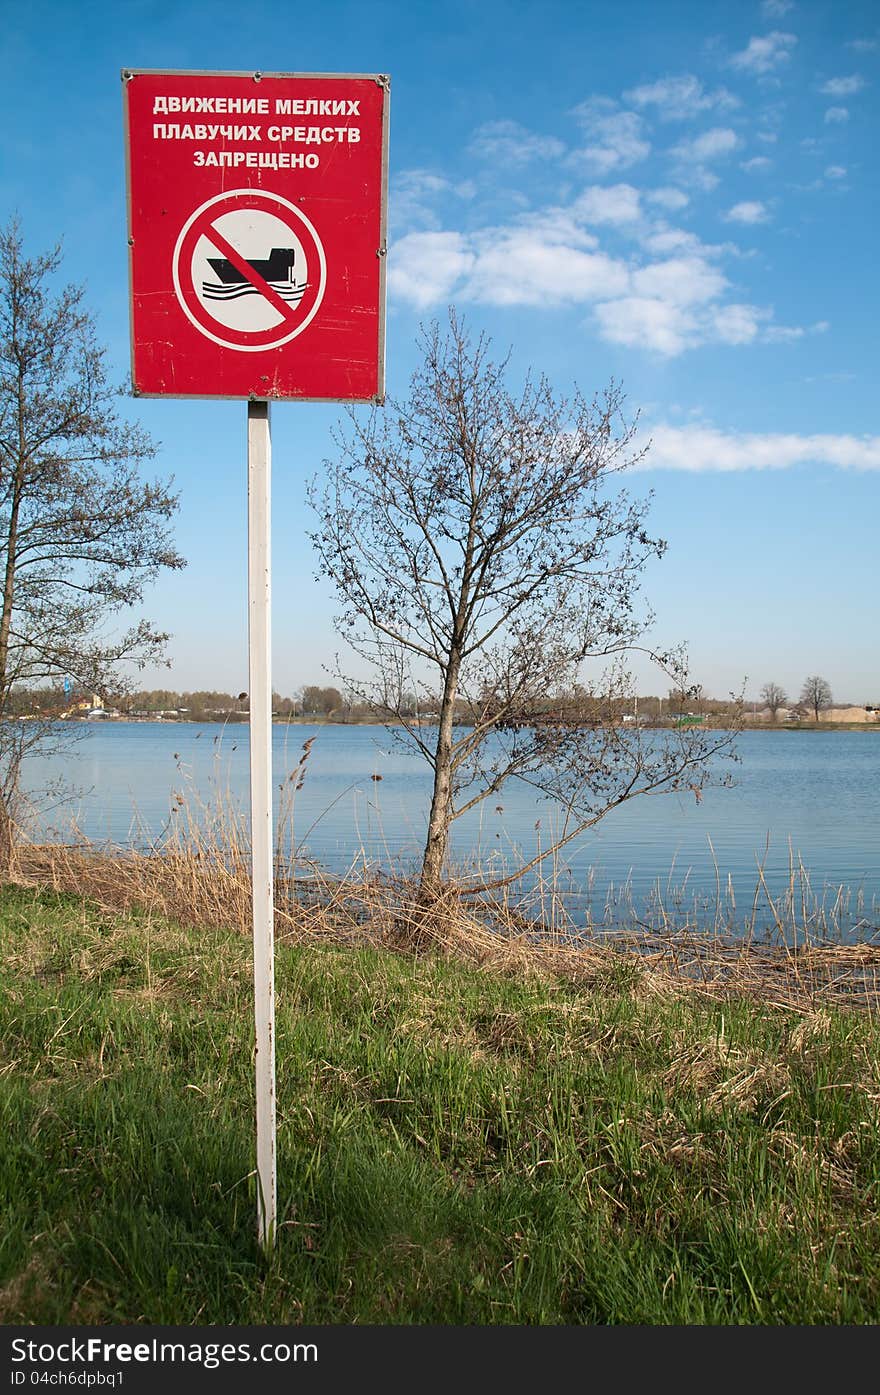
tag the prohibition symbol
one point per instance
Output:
(249, 270)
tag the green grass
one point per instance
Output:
(455, 1145)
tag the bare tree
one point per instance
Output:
(321, 702)
(482, 555)
(773, 697)
(80, 533)
(816, 694)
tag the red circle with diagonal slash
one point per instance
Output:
(202, 224)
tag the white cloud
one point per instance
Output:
(674, 307)
(714, 144)
(835, 172)
(678, 304)
(680, 281)
(615, 138)
(415, 193)
(863, 45)
(663, 241)
(759, 164)
(705, 448)
(768, 137)
(520, 266)
(776, 9)
(615, 203)
(783, 334)
(509, 143)
(557, 227)
(680, 98)
(693, 156)
(422, 181)
(423, 267)
(737, 324)
(643, 322)
(836, 115)
(749, 211)
(762, 55)
(673, 199)
(843, 86)
(698, 177)
(544, 259)
(550, 259)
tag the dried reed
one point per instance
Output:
(792, 950)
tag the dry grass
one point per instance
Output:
(199, 880)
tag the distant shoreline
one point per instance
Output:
(242, 718)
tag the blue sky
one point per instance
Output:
(679, 196)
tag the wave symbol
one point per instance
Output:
(288, 290)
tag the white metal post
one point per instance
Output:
(260, 664)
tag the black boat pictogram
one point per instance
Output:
(276, 270)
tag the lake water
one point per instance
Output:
(811, 799)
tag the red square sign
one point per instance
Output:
(257, 234)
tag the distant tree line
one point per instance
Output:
(311, 700)
(575, 705)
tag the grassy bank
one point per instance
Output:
(457, 1143)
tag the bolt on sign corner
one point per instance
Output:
(256, 229)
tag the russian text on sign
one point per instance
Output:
(223, 106)
(256, 159)
(313, 106)
(244, 106)
(303, 135)
(174, 131)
